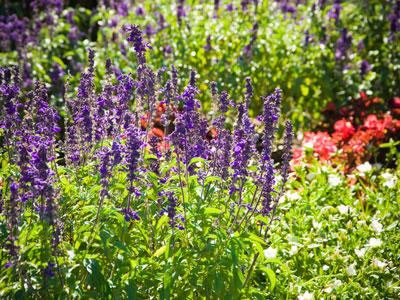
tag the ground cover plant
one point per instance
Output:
(199, 150)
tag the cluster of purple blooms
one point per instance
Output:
(101, 128)
(30, 143)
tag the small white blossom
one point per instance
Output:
(270, 253)
(337, 283)
(364, 168)
(390, 180)
(290, 195)
(334, 180)
(345, 209)
(316, 225)
(378, 263)
(373, 242)
(310, 176)
(325, 267)
(376, 226)
(294, 250)
(351, 271)
(306, 296)
(360, 253)
(324, 169)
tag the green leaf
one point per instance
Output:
(121, 246)
(59, 61)
(271, 275)
(265, 220)
(256, 238)
(197, 159)
(118, 186)
(275, 260)
(95, 189)
(212, 211)
(212, 179)
(160, 251)
(131, 289)
(164, 219)
(304, 90)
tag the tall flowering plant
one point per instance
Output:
(107, 200)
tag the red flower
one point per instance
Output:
(396, 102)
(157, 131)
(344, 129)
(371, 122)
(363, 96)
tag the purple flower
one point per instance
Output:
(48, 271)
(286, 156)
(343, 44)
(244, 4)
(270, 119)
(249, 47)
(149, 30)
(140, 46)
(180, 11)
(139, 11)
(364, 68)
(129, 214)
(132, 153)
(394, 18)
(208, 46)
(229, 7)
(334, 12)
(9, 264)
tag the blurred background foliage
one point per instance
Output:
(317, 52)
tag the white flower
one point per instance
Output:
(310, 176)
(316, 225)
(270, 253)
(328, 289)
(308, 145)
(345, 209)
(290, 195)
(334, 180)
(364, 168)
(378, 263)
(306, 296)
(337, 283)
(360, 253)
(351, 271)
(324, 169)
(294, 250)
(373, 242)
(376, 226)
(390, 180)
(325, 267)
